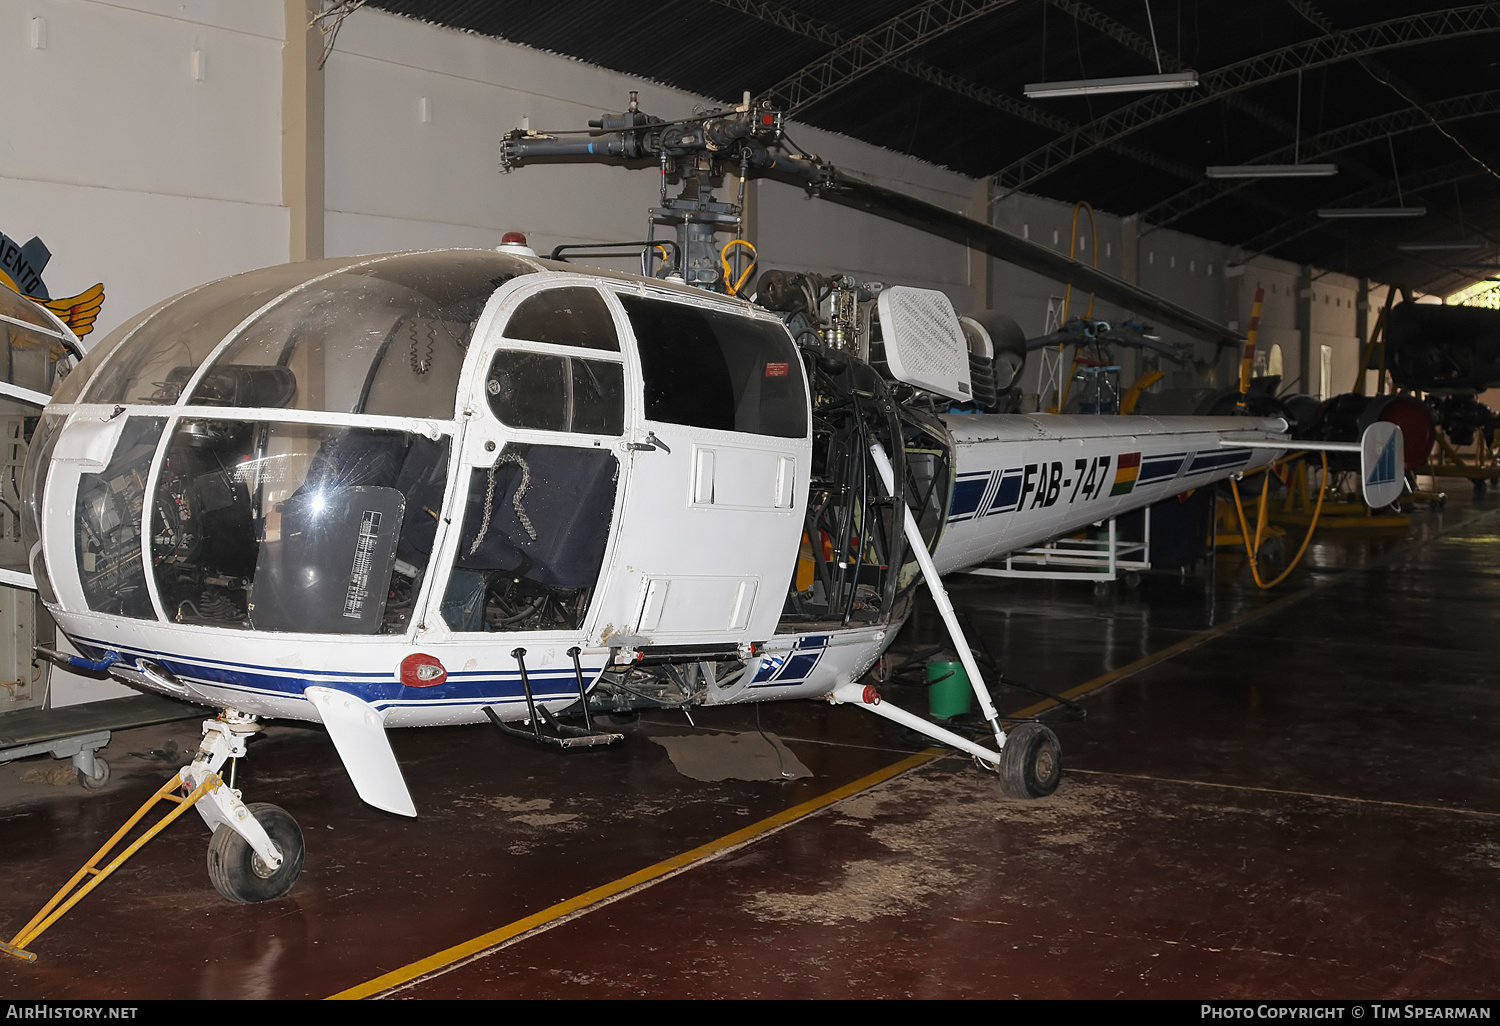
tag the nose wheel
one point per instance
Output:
(239, 873)
(256, 851)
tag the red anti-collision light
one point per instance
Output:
(513, 239)
(419, 670)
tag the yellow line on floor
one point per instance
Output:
(1106, 679)
(722, 846)
(644, 877)
(713, 849)
(1192, 641)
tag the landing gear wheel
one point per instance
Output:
(1030, 762)
(238, 873)
(100, 777)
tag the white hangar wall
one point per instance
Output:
(133, 170)
(146, 151)
(1185, 269)
(146, 143)
(414, 118)
(1210, 278)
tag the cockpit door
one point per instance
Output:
(717, 476)
(539, 468)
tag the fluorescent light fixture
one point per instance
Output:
(1372, 212)
(1455, 246)
(1271, 170)
(1128, 84)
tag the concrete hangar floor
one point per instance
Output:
(1292, 794)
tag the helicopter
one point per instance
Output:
(451, 486)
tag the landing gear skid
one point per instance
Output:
(561, 735)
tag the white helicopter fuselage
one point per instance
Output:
(291, 516)
(1019, 480)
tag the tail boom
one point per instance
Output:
(1020, 480)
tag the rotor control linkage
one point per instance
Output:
(562, 735)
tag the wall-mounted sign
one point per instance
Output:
(21, 267)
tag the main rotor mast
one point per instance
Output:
(698, 152)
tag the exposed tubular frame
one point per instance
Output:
(867, 698)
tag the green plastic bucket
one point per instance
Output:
(948, 691)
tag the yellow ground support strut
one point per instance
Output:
(1247, 362)
(1253, 549)
(1452, 463)
(1062, 400)
(73, 893)
(1133, 394)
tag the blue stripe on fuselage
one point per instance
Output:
(1159, 468)
(968, 493)
(379, 689)
(792, 667)
(1205, 462)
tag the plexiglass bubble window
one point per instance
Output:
(295, 527)
(383, 336)
(254, 521)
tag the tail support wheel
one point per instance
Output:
(239, 874)
(1030, 762)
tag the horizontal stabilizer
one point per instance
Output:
(358, 732)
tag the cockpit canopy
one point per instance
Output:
(378, 336)
(287, 450)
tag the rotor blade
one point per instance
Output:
(929, 217)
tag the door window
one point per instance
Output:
(717, 369)
(545, 392)
(536, 525)
(569, 316)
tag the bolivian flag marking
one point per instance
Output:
(1128, 469)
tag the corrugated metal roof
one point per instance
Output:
(1408, 110)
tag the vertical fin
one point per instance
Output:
(1382, 467)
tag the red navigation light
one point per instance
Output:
(513, 239)
(419, 670)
